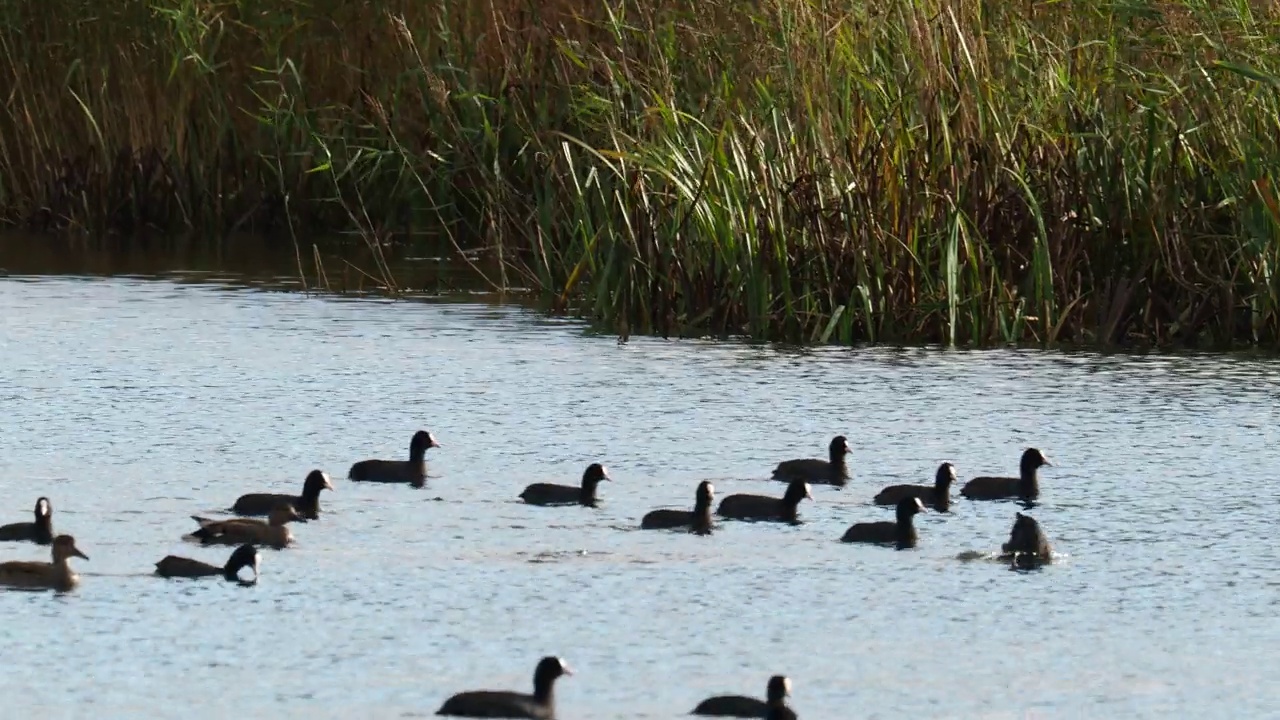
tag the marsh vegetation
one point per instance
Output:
(806, 170)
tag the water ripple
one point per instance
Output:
(135, 404)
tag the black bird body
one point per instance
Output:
(744, 506)
(833, 471)
(307, 504)
(1025, 487)
(901, 533)
(696, 521)
(507, 704)
(412, 471)
(774, 707)
(936, 496)
(1028, 546)
(739, 706)
(40, 531)
(552, 494)
(173, 566)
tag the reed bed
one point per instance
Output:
(803, 170)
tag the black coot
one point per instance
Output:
(698, 520)
(1028, 546)
(552, 494)
(541, 705)
(832, 471)
(39, 531)
(774, 706)
(412, 471)
(245, 556)
(901, 533)
(744, 506)
(936, 496)
(307, 504)
(1024, 487)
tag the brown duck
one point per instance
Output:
(56, 575)
(412, 471)
(696, 521)
(273, 533)
(936, 496)
(833, 471)
(307, 504)
(245, 556)
(1025, 487)
(40, 531)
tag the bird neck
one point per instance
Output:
(1029, 482)
(702, 517)
(906, 529)
(44, 528)
(839, 468)
(310, 498)
(544, 691)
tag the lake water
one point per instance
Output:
(135, 402)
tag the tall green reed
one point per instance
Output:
(802, 170)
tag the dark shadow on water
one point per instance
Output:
(429, 270)
(335, 265)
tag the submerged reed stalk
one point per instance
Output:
(802, 170)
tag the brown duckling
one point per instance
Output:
(819, 472)
(901, 533)
(698, 521)
(245, 556)
(412, 471)
(56, 575)
(40, 531)
(744, 506)
(774, 707)
(1026, 487)
(273, 533)
(936, 496)
(552, 494)
(307, 504)
(1028, 546)
(541, 705)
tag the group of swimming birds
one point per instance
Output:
(1027, 545)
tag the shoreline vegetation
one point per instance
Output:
(914, 171)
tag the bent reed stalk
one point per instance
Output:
(803, 170)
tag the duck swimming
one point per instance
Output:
(1028, 546)
(698, 521)
(40, 531)
(245, 556)
(307, 504)
(273, 533)
(412, 471)
(541, 705)
(774, 706)
(552, 494)
(833, 471)
(744, 506)
(56, 575)
(1025, 487)
(901, 533)
(936, 496)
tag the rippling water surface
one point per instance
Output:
(134, 403)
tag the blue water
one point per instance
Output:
(134, 403)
